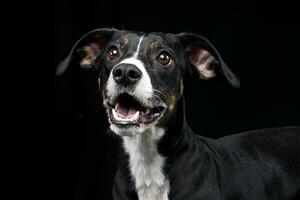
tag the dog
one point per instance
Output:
(141, 80)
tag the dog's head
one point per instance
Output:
(141, 76)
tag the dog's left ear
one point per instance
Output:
(205, 58)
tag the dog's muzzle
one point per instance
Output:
(131, 102)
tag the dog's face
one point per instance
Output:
(141, 76)
(140, 80)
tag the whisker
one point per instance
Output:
(108, 132)
(156, 98)
(164, 96)
(111, 133)
(156, 90)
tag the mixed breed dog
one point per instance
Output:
(141, 80)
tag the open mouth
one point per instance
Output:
(128, 111)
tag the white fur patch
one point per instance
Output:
(138, 47)
(146, 164)
(143, 89)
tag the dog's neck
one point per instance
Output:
(178, 134)
(148, 152)
(146, 164)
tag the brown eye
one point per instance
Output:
(164, 58)
(112, 53)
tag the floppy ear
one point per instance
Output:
(86, 49)
(205, 58)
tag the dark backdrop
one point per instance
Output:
(258, 40)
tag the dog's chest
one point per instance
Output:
(146, 165)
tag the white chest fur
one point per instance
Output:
(146, 165)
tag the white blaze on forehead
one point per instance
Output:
(138, 47)
(143, 89)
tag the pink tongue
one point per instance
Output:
(125, 112)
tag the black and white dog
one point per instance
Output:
(141, 80)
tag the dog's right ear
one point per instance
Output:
(86, 49)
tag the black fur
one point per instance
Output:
(255, 165)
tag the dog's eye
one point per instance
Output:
(112, 53)
(164, 58)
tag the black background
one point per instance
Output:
(258, 40)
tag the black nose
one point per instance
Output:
(126, 74)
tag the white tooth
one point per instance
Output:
(117, 106)
(136, 115)
(155, 114)
(114, 113)
(147, 111)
